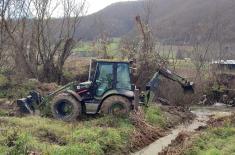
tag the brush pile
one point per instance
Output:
(144, 133)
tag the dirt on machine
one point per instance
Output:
(108, 90)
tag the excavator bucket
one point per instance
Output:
(188, 88)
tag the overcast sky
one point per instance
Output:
(96, 5)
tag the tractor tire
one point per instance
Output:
(116, 105)
(59, 111)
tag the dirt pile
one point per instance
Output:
(47, 87)
(44, 88)
(177, 147)
(144, 133)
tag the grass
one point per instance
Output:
(154, 116)
(98, 136)
(215, 141)
(87, 46)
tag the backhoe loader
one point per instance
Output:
(109, 90)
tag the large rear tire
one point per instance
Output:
(65, 107)
(116, 105)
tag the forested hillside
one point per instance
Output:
(168, 18)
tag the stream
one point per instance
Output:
(202, 116)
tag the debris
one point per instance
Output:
(144, 134)
(45, 88)
(178, 145)
(177, 115)
(218, 122)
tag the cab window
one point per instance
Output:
(104, 79)
(123, 77)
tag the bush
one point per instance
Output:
(19, 90)
(3, 81)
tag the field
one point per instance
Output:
(89, 48)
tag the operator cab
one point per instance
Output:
(110, 75)
(106, 77)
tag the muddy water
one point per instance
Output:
(202, 114)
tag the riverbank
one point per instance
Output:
(90, 135)
(215, 137)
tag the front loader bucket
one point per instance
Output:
(27, 104)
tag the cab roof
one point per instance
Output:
(111, 60)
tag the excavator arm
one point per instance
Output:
(153, 84)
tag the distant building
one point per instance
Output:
(223, 66)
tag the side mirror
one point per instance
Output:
(133, 71)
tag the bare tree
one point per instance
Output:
(128, 48)
(103, 40)
(41, 43)
(14, 20)
(54, 47)
(3, 5)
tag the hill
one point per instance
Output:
(168, 18)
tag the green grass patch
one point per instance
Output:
(154, 116)
(95, 136)
(87, 47)
(215, 141)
